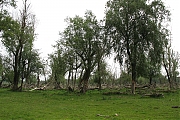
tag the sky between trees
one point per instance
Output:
(51, 14)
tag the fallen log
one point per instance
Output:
(41, 88)
(154, 95)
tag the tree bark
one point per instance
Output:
(85, 80)
(1, 83)
(99, 76)
(2, 79)
(133, 87)
(168, 74)
(74, 84)
(16, 73)
(38, 81)
(69, 76)
(81, 80)
(133, 78)
(150, 80)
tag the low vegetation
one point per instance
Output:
(94, 104)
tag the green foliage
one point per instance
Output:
(135, 29)
(82, 36)
(11, 33)
(7, 71)
(171, 63)
(59, 65)
(18, 37)
(63, 105)
(142, 80)
(4, 15)
(161, 79)
(125, 78)
(102, 72)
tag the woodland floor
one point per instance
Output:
(60, 104)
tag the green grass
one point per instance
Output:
(55, 105)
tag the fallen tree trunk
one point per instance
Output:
(154, 95)
(41, 88)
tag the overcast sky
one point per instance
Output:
(51, 14)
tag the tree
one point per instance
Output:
(100, 73)
(153, 66)
(171, 64)
(58, 66)
(125, 78)
(16, 36)
(82, 36)
(4, 12)
(134, 27)
(31, 65)
(7, 70)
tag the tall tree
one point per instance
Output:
(82, 35)
(171, 64)
(58, 65)
(30, 65)
(16, 35)
(135, 27)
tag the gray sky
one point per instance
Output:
(51, 14)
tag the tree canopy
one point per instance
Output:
(135, 28)
(17, 37)
(83, 37)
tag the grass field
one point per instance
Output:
(59, 104)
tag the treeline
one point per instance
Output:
(135, 31)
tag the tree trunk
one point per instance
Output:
(2, 79)
(69, 76)
(74, 85)
(1, 83)
(85, 80)
(85, 85)
(72, 78)
(150, 80)
(57, 83)
(99, 76)
(16, 75)
(15, 81)
(22, 75)
(21, 84)
(168, 75)
(99, 83)
(81, 80)
(38, 81)
(133, 78)
(133, 87)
